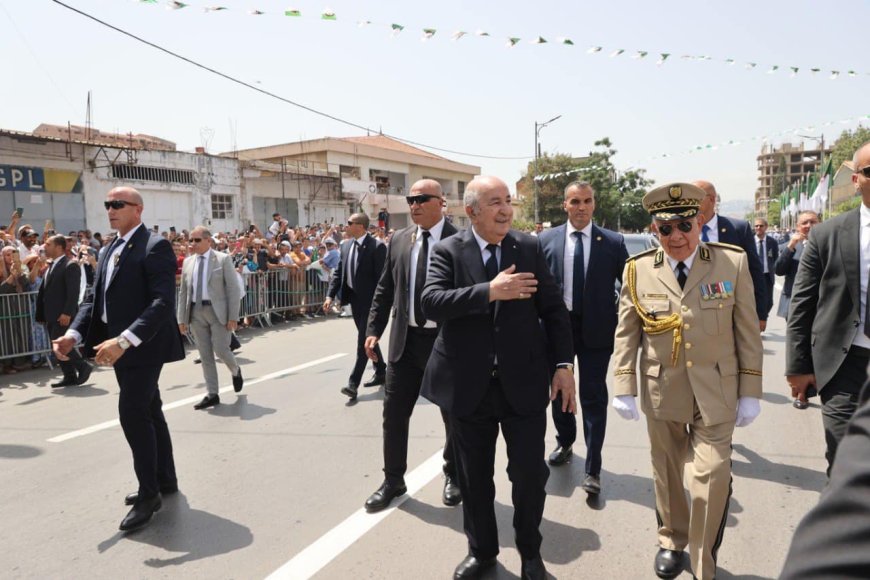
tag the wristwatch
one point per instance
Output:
(124, 343)
(568, 366)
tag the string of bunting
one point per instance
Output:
(395, 29)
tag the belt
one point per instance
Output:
(423, 330)
(202, 303)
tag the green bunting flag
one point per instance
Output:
(794, 71)
(481, 33)
(214, 8)
(834, 74)
(512, 41)
(328, 15)
(292, 12)
(815, 70)
(539, 40)
(177, 5)
(617, 52)
(256, 12)
(663, 58)
(730, 61)
(563, 40)
(363, 23)
(148, 1)
(751, 65)
(593, 50)
(773, 69)
(428, 33)
(640, 54)
(458, 34)
(397, 27)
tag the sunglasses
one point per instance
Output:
(864, 171)
(667, 229)
(117, 204)
(760, 226)
(350, 223)
(196, 240)
(419, 199)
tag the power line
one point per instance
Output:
(276, 96)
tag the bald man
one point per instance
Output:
(725, 230)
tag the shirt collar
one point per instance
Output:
(480, 241)
(130, 234)
(435, 231)
(713, 224)
(361, 239)
(587, 231)
(688, 261)
(865, 216)
(206, 254)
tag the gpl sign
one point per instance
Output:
(17, 178)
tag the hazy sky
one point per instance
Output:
(472, 95)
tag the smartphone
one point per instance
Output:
(19, 211)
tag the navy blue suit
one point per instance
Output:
(140, 298)
(739, 233)
(771, 255)
(593, 324)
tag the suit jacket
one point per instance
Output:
(824, 315)
(223, 288)
(59, 293)
(393, 294)
(833, 539)
(456, 296)
(739, 233)
(370, 264)
(787, 265)
(140, 298)
(771, 256)
(719, 357)
(606, 262)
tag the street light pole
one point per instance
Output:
(821, 141)
(538, 127)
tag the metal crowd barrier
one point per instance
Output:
(266, 293)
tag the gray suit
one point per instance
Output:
(208, 322)
(824, 319)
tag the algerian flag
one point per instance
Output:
(256, 12)
(730, 61)
(292, 12)
(640, 54)
(396, 29)
(593, 50)
(794, 71)
(664, 57)
(617, 52)
(773, 69)
(176, 5)
(539, 40)
(851, 73)
(834, 74)
(815, 70)
(214, 8)
(148, 1)
(563, 40)
(481, 33)
(328, 14)
(512, 41)
(750, 65)
(428, 33)
(458, 34)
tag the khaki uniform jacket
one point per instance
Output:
(720, 352)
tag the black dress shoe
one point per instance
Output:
(533, 569)
(197, 361)
(65, 383)
(669, 563)
(141, 514)
(385, 494)
(471, 567)
(561, 455)
(376, 380)
(591, 484)
(350, 391)
(132, 498)
(85, 374)
(208, 401)
(238, 381)
(451, 495)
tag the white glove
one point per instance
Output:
(626, 407)
(748, 408)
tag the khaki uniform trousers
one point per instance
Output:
(706, 452)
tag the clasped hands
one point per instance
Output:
(512, 285)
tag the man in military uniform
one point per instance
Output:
(690, 310)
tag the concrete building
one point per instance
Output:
(91, 135)
(842, 187)
(340, 175)
(66, 181)
(779, 167)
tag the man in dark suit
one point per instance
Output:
(833, 539)
(498, 307)
(718, 228)
(411, 337)
(768, 251)
(356, 277)
(128, 322)
(828, 332)
(57, 303)
(587, 274)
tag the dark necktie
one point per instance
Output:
(354, 261)
(761, 256)
(200, 280)
(704, 236)
(579, 274)
(682, 275)
(867, 313)
(492, 263)
(420, 279)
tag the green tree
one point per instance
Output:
(846, 145)
(774, 209)
(617, 194)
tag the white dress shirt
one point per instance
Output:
(687, 262)
(435, 233)
(860, 338)
(568, 260)
(484, 252)
(713, 232)
(194, 295)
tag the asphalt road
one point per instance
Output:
(273, 480)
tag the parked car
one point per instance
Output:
(637, 243)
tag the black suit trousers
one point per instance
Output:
(840, 399)
(361, 318)
(76, 363)
(474, 439)
(592, 365)
(404, 379)
(145, 428)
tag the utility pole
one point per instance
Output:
(538, 127)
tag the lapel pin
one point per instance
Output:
(724, 230)
(598, 238)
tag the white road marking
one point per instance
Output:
(195, 398)
(312, 559)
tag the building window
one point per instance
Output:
(221, 207)
(161, 174)
(460, 187)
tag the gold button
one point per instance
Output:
(686, 326)
(688, 345)
(685, 308)
(688, 364)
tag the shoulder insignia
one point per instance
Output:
(660, 258)
(641, 254)
(726, 246)
(704, 253)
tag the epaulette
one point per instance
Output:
(644, 253)
(726, 246)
